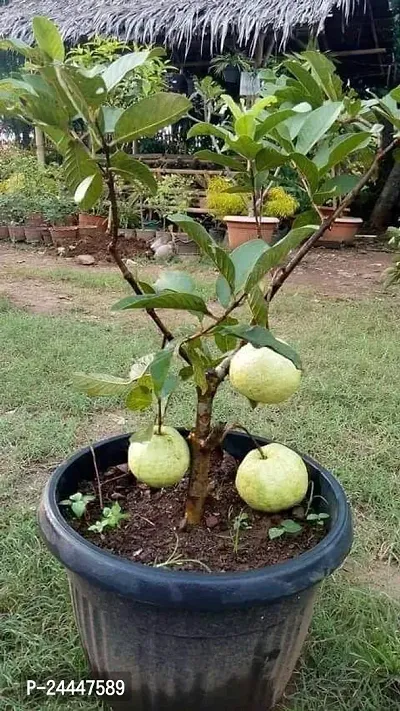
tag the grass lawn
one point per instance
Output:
(346, 415)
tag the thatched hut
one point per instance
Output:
(196, 29)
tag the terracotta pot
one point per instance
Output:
(146, 235)
(243, 229)
(184, 245)
(327, 211)
(343, 231)
(33, 235)
(4, 234)
(64, 236)
(46, 237)
(93, 221)
(17, 233)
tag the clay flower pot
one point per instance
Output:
(184, 245)
(146, 236)
(17, 233)
(342, 231)
(243, 229)
(93, 221)
(33, 235)
(4, 233)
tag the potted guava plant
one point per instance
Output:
(203, 623)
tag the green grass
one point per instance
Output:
(346, 415)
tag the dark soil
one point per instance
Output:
(152, 535)
(98, 246)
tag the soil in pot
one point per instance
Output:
(150, 535)
(243, 229)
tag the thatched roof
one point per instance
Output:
(176, 22)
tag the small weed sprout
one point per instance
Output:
(319, 519)
(112, 517)
(239, 523)
(288, 526)
(78, 503)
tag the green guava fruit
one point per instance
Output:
(263, 375)
(161, 461)
(273, 484)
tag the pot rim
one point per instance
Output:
(350, 220)
(185, 588)
(251, 220)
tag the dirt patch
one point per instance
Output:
(152, 534)
(382, 577)
(98, 247)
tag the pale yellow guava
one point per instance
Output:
(161, 461)
(263, 375)
(273, 484)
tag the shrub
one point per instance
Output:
(279, 203)
(221, 203)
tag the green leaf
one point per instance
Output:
(346, 146)
(199, 363)
(175, 281)
(270, 122)
(335, 187)
(100, 384)
(324, 70)
(246, 146)
(275, 532)
(148, 116)
(317, 125)
(306, 79)
(89, 191)
(48, 38)
(166, 300)
(262, 337)
(143, 435)
(15, 45)
(108, 118)
(258, 306)
(60, 138)
(244, 258)
(224, 342)
(290, 526)
(118, 70)
(245, 125)
(220, 159)
(207, 245)
(141, 366)
(395, 93)
(235, 109)
(310, 217)
(79, 508)
(159, 367)
(133, 170)
(85, 93)
(276, 254)
(269, 158)
(140, 397)
(208, 129)
(78, 165)
(308, 169)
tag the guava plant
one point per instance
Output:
(60, 98)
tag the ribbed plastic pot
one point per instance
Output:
(188, 641)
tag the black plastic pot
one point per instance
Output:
(185, 641)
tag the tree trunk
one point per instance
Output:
(386, 210)
(201, 457)
(40, 147)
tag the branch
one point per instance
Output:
(281, 276)
(113, 250)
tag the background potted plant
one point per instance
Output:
(230, 65)
(58, 213)
(169, 630)
(174, 194)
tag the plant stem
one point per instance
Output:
(201, 448)
(237, 426)
(159, 415)
(96, 471)
(255, 201)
